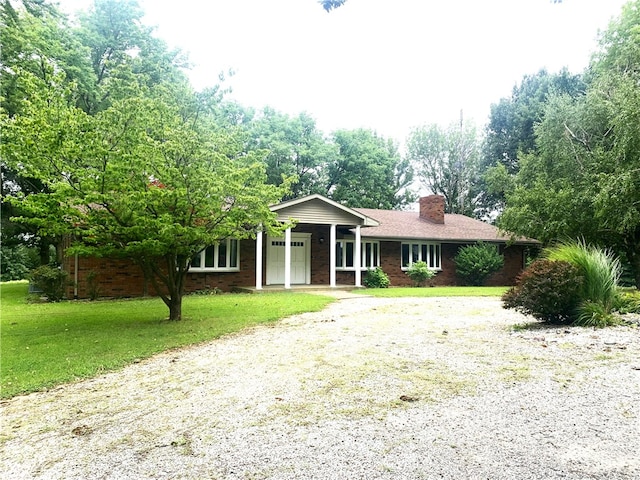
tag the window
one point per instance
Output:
(223, 256)
(345, 251)
(426, 252)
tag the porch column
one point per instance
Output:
(259, 260)
(357, 254)
(287, 258)
(332, 256)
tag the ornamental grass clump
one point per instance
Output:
(601, 272)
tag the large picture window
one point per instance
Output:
(426, 252)
(223, 256)
(345, 251)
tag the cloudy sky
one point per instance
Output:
(388, 65)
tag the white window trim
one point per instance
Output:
(363, 252)
(421, 244)
(215, 268)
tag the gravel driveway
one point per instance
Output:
(454, 388)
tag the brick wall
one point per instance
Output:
(122, 278)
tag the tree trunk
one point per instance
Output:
(175, 307)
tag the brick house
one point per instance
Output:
(331, 245)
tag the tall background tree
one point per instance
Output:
(510, 132)
(582, 180)
(368, 171)
(446, 162)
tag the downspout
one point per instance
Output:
(75, 278)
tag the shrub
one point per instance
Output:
(16, 261)
(474, 263)
(627, 301)
(419, 272)
(376, 278)
(599, 268)
(51, 280)
(548, 290)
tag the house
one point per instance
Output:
(331, 245)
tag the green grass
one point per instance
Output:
(47, 344)
(436, 292)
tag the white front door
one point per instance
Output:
(300, 259)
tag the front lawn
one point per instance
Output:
(47, 344)
(436, 292)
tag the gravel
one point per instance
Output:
(433, 388)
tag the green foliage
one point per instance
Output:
(446, 161)
(600, 271)
(627, 301)
(150, 178)
(295, 148)
(592, 314)
(368, 172)
(16, 261)
(51, 280)
(475, 263)
(419, 272)
(548, 290)
(582, 179)
(44, 345)
(376, 278)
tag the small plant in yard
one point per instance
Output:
(474, 263)
(419, 272)
(548, 290)
(376, 278)
(93, 287)
(51, 280)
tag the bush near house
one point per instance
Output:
(548, 290)
(574, 282)
(474, 263)
(376, 278)
(419, 272)
(51, 280)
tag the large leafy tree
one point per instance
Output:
(295, 148)
(446, 162)
(108, 51)
(35, 38)
(510, 132)
(583, 179)
(368, 171)
(150, 178)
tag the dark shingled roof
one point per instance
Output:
(400, 225)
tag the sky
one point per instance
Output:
(385, 65)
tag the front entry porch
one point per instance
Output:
(306, 255)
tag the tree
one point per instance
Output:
(329, 5)
(368, 172)
(150, 178)
(446, 162)
(583, 179)
(295, 148)
(510, 132)
(35, 38)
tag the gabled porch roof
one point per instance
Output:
(319, 210)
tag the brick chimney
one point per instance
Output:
(432, 208)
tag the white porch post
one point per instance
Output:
(259, 260)
(332, 256)
(358, 257)
(287, 258)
